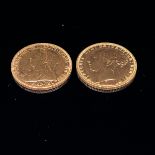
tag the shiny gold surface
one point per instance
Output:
(106, 67)
(41, 67)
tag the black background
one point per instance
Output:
(75, 119)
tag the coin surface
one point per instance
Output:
(106, 67)
(41, 67)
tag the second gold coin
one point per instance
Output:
(106, 67)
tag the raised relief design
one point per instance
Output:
(107, 67)
(41, 67)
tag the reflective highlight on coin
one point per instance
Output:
(106, 67)
(41, 67)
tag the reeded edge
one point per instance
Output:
(105, 88)
(42, 89)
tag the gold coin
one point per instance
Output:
(41, 67)
(106, 67)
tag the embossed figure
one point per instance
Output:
(105, 64)
(41, 66)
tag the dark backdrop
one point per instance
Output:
(75, 119)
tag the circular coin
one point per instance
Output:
(106, 67)
(41, 67)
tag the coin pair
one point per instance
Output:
(45, 67)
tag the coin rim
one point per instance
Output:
(45, 88)
(105, 88)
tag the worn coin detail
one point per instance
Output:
(41, 67)
(106, 67)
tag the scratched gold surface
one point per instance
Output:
(106, 67)
(41, 67)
